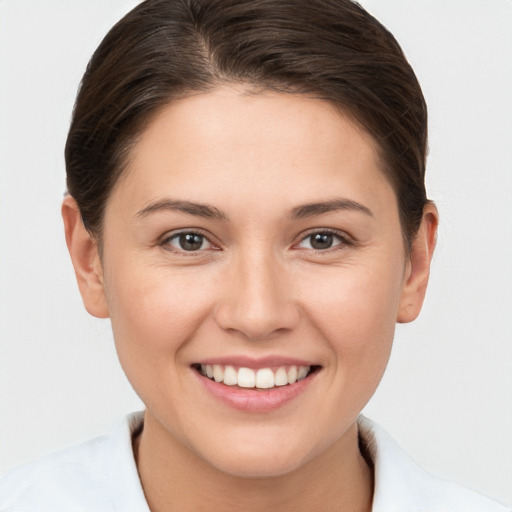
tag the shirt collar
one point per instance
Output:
(128, 495)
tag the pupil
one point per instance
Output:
(191, 241)
(321, 241)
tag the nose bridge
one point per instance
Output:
(257, 301)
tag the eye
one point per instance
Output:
(188, 241)
(321, 241)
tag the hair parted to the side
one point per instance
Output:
(165, 49)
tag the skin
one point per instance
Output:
(256, 287)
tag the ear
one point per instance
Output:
(418, 266)
(85, 257)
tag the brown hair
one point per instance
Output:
(163, 49)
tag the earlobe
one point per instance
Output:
(85, 257)
(418, 266)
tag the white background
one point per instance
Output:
(447, 395)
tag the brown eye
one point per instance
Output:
(321, 241)
(189, 242)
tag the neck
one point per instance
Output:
(174, 478)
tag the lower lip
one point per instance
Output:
(256, 400)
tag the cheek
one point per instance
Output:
(154, 316)
(356, 313)
(154, 313)
(357, 301)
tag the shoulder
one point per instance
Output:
(78, 473)
(84, 478)
(400, 484)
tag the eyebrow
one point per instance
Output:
(211, 212)
(310, 210)
(197, 209)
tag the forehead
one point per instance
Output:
(232, 141)
(241, 111)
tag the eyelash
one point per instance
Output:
(343, 241)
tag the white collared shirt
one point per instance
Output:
(100, 475)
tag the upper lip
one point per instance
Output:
(256, 363)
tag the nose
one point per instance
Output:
(257, 301)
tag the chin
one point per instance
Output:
(268, 466)
(258, 459)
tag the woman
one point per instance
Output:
(247, 205)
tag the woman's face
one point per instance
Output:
(253, 236)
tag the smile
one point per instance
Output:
(256, 386)
(262, 378)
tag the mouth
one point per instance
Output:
(257, 379)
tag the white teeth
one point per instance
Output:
(280, 378)
(230, 376)
(246, 378)
(292, 375)
(264, 378)
(302, 372)
(218, 373)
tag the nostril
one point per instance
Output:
(257, 323)
(257, 300)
